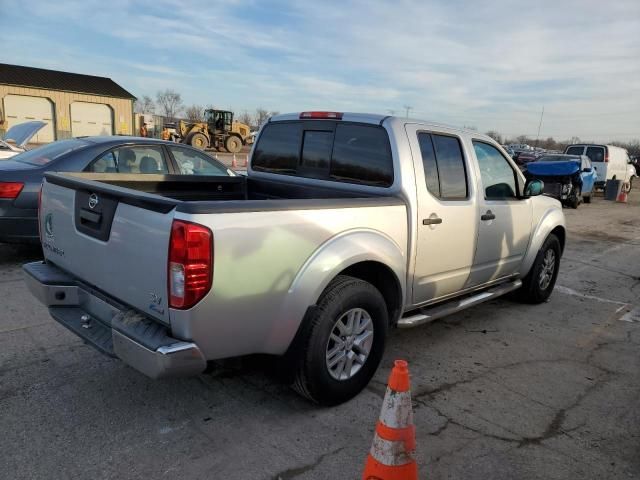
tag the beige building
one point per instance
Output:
(71, 104)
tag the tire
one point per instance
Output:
(587, 198)
(199, 141)
(533, 290)
(313, 376)
(574, 201)
(233, 144)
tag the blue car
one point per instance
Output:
(569, 178)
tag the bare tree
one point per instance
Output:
(246, 118)
(170, 103)
(261, 116)
(194, 113)
(495, 135)
(144, 105)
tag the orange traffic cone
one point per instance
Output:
(234, 163)
(391, 454)
(622, 197)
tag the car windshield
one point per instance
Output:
(47, 153)
(557, 158)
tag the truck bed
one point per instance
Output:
(214, 194)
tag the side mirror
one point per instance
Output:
(533, 188)
(587, 170)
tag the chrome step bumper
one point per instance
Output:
(111, 328)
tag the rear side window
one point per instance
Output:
(596, 154)
(574, 150)
(343, 152)
(444, 169)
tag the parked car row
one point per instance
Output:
(574, 175)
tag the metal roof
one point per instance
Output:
(20, 76)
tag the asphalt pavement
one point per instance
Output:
(500, 391)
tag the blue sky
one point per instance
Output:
(492, 65)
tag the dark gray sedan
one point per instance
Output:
(21, 176)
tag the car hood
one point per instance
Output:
(23, 132)
(568, 167)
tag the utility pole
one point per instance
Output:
(408, 107)
(539, 125)
(391, 112)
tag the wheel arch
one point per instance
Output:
(365, 254)
(552, 222)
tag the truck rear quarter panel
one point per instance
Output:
(269, 267)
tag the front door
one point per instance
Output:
(505, 220)
(447, 220)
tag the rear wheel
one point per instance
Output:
(199, 141)
(233, 144)
(341, 344)
(539, 282)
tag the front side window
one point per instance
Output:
(131, 159)
(575, 150)
(498, 177)
(443, 163)
(191, 162)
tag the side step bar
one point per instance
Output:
(429, 314)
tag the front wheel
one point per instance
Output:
(341, 344)
(539, 282)
(233, 144)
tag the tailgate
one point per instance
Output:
(111, 238)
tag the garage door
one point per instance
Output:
(89, 119)
(21, 108)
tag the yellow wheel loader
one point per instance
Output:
(219, 131)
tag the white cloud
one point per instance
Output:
(493, 65)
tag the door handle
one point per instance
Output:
(488, 216)
(433, 220)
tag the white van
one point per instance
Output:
(610, 162)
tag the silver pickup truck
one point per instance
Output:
(345, 225)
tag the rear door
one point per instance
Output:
(111, 240)
(447, 215)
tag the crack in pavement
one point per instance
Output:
(295, 472)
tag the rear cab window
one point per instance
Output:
(576, 150)
(326, 150)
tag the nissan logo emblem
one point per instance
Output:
(93, 200)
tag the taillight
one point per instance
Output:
(606, 157)
(39, 210)
(321, 115)
(190, 268)
(10, 189)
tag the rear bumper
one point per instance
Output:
(110, 327)
(22, 228)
